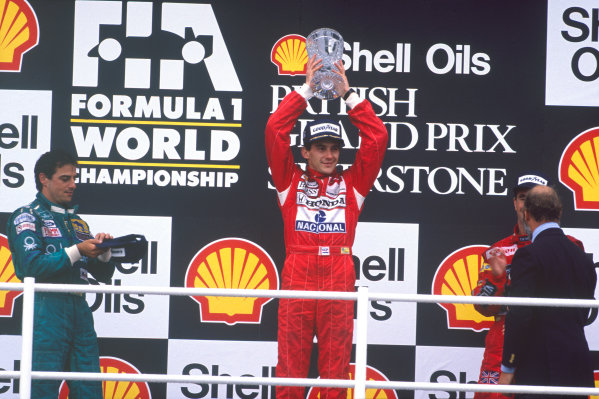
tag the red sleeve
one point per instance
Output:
(499, 283)
(485, 277)
(576, 241)
(374, 138)
(278, 127)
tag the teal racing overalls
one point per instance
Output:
(64, 338)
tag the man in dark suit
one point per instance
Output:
(547, 345)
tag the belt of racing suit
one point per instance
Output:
(323, 250)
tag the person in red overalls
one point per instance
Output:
(492, 279)
(320, 208)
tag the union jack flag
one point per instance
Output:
(489, 377)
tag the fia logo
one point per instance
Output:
(148, 46)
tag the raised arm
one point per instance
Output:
(279, 125)
(491, 280)
(373, 135)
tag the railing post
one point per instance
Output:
(361, 343)
(27, 338)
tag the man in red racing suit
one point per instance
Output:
(320, 208)
(493, 283)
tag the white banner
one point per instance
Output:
(25, 121)
(572, 53)
(219, 358)
(388, 262)
(447, 364)
(10, 346)
(135, 315)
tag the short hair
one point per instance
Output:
(308, 145)
(49, 162)
(543, 204)
(518, 190)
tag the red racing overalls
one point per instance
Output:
(320, 214)
(490, 285)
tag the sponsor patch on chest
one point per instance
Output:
(320, 221)
(321, 206)
(51, 231)
(81, 229)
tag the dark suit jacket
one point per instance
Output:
(547, 345)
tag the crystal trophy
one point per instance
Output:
(327, 44)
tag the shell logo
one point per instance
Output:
(116, 389)
(596, 385)
(232, 263)
(372, 374)
(289, 55)
(458, 275)
(579, 169)
(18, 33)
(7, 275)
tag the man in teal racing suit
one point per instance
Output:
(50, 242)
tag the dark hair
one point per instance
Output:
(518, 190)
(49, 162)
(543, 204)
(308, 145)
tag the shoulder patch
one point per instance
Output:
(24, 217)
(21, 227)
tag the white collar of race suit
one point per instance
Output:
(58, 209)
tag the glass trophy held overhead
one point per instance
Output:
(327, 44)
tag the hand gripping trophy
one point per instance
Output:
(326, 44)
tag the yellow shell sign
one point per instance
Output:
(372, 374)
(289, 55)
(232, 263)
(117, 389)
(579, 169)
(18, 33)
(457, 275)
(7, 275)
(596, 385)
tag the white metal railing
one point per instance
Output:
(359, 384)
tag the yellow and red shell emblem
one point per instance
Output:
(18, 33)
(458, 275)
(232, 263)
(289, 55)
(579, 169)
(117, 389)
(372, 374)
(596, 373)
(7, 275)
